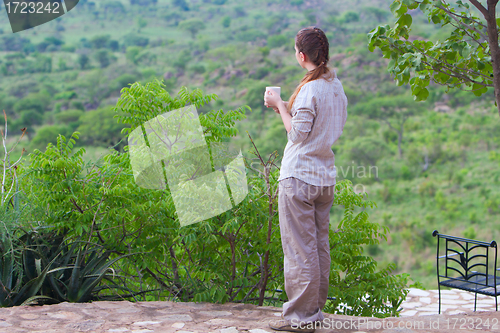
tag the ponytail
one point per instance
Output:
(312, 42)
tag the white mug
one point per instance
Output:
(275, 89)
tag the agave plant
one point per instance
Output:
(17, 287)
(86, 266)
(43, 267)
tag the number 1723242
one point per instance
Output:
(30, 7)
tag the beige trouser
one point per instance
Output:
(304, 217)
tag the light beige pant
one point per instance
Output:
(304, 217)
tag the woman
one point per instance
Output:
(314, 119)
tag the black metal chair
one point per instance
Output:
(458, 270)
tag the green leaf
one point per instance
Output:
(477, 89)
(423, 94)
(436, 19)
(396, 5)
(407, 20)
(424, 5)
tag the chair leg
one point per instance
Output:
(439, 292)
(475, 301)
(496, 303)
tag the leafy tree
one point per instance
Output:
(33, 101)
(99, 128)
(380, 14)
(366, 151)
(132, 54)
(28, 119)
(113, 6)
(240, 11)
(182, 4)
(93, 88)
(70, 118)
(100, 41)
(13, 42)
(276, 23)
(113, 45)
(309, 17)
(48, 134)
(350, 16)
(276, 41)
(469, 58)
(103, 57)
(135, 40)
(393, 111)
(193, 26)
(83, 61)
(226, 21)
(141, 23)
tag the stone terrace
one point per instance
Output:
(419, 315)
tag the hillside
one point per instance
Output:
(67, 74)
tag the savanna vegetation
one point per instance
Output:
(427, 165)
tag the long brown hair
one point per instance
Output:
(313, 42)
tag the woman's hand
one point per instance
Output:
(271, 99)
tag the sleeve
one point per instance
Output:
(302, 121)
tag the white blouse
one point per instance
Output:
(319, 114)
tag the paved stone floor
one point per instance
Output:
(453, 302)
(419, 315)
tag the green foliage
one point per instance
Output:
(100, 41)
(141, 23)
(235, 256)
(461, 59)
(135, 40)
(38, 266)
(100, 128)
(350, 16)
(132, 54)
(48, 134)
(379, 13)
(182, 4)
(358, 287)
(193, 26)
(33, 101)
(83, 61)
(276, 41)
(470, 233)
(226, 21)
(103, 58)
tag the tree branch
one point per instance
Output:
(480, 7)
(452, 15)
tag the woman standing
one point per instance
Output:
(314, 119)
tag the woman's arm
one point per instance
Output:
(285, 116)
(275, 108)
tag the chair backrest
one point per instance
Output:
(467, 259)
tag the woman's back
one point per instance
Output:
(319, 115)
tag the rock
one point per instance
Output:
(215, 313)
(85, 326)
(229, 330)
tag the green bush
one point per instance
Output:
(276, 41)
(470, 233)
(406, 173)
(48, 134)
(235, 256)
